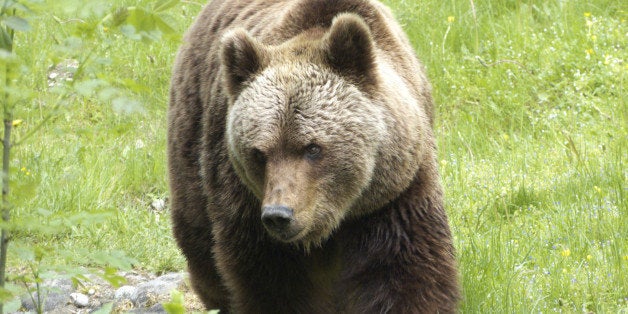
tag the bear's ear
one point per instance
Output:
(349, 48)
(242, 57)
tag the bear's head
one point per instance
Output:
(303, 131)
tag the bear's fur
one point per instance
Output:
(302, 162)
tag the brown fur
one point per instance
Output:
(318, 106)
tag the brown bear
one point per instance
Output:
(302, 162)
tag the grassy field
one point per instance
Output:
(533, 141)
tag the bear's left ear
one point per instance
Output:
(349, 48)
(242, 57)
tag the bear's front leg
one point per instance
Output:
(196, 243)
(403, 261)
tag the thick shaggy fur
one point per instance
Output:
(316, 109)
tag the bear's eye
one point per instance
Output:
(313, 152)
(259, 156)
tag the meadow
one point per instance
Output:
(532, 127)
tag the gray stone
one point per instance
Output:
(156, 289)
(51, 300)
(162, 285)
(55, 293)
(142, 294)
(126, 293)
(63, 284)
(79, 299)
(155, 309)
(63, 71)
(158, 204)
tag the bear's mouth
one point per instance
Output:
(283, 225)
(289, 234)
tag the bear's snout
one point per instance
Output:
(279, 221)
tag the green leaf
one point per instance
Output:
(105, 309)
(126, 105)
(25, 189)
(134, 85)
(176, 304)
(88, 87)
(148, 21)
(163, 25)
(114, 259)
(111, 276)
(88, 218)
(164, 5)
(6, 40)
(5, 294)
(24, 253)
(16, 23)
(21, 7)
(129, 31)
(12, 306)
(108, 93)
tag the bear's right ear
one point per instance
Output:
(242, 57)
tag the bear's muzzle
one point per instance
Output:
(279, 222)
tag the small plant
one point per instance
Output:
(176, 304)
(82, 42)
(9, 24)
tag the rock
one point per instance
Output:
(150, 292)
(139, 144)
(62, 284)
(143, 293)
(50, 301)
(126, 293)
(55, 293)
(79, 299)
(62, 72)
(133, 278)
(155, 309)
(158, 204)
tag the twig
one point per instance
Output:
(445, 36)
(521, 65)
(475, 21)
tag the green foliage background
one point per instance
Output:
(532, 127)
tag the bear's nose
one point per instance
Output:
(277, 217)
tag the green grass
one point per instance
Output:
(532, 128)
(534, 148)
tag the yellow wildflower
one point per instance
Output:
(565, 253)
(25, 171)
(587, 14)
(17, 122)
(597, 189)
(451, 19)
(589, 257)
